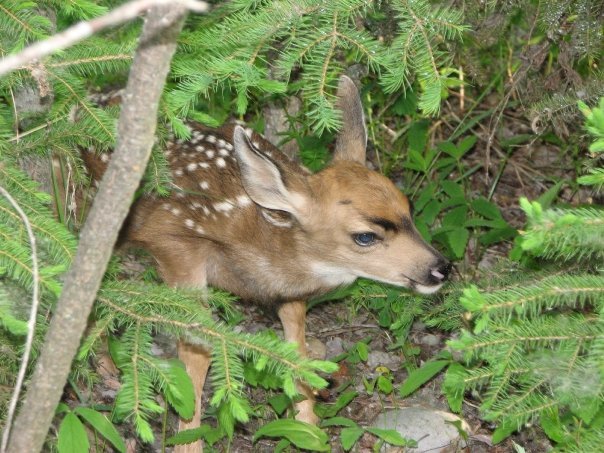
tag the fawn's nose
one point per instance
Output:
(441, 271)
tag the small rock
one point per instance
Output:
(377, 358)
(418, 326)
(427, 426)
(334, 347)
(316, 349)
(430, 340)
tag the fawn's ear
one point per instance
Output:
(351, 143)
(269, 185)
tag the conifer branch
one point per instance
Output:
(136, 134)
(84, 30)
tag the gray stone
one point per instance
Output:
(334, 347)
(430, 340)
(381, 358)
(427, 426)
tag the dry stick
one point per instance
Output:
(136, 130)
(83, 30)
(31, 323)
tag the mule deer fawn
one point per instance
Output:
(246, 219)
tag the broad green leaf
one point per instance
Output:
(179, 391)
(453, 189)
(72, 435)
(363, 351)
(417, 136)
(466, 144)
(419, 377)
(330, 410)
(455, 217)
(279, 403)
(339, 421)
(458, 239)
(503, 432)
(550, 422)
(391, 436)
(301, 434)
(102, 425)
(384, 385)
(486, 208)
(349, 437)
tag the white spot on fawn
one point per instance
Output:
(189, 223)
(210, 154)
(223, 206)
(178, 172)
(223, 152)
(166, 206)
(221, 143)
(211, 139)
(200, 148)
(105, 158)
(175, 211)
(229, 147)
(244, 200)
(199, 230)
(204, 185)
(203, 165)
(221, 162)
(206, 210)
(192, 166)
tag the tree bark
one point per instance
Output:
(136, 130)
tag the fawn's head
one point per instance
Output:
(346, 221)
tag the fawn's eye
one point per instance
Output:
(364, 239)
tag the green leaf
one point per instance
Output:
(417, 136)
(455, 217)
(363, 351)
(301, 434)
(550, 195)
(458, 239)
(550, 422)
(179, 391)
(486, 208)
(72, 436)
(279, 403)
(391, 436)
(419, 377)
(384, 385)
(349, 437)
(339, 421)
(503, 432)
(453, 189)
(189, 435)
(330, 410)
(102, 425)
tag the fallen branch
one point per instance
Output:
(136, 130)
(83, 30)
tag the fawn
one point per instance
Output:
(246, 219)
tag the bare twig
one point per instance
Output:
(83, 30)
(136, 131)
(31, 324)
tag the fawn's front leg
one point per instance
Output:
(197, 361)
(293, 318)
